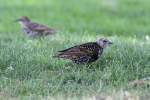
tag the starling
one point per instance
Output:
(84, 53)
(34, 29)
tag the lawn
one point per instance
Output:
(27, 68)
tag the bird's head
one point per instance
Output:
(103, 42)
(23, 19)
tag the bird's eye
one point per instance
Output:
(104, 41)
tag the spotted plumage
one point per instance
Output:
(34, 29)
(84, 53)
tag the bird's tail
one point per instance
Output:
(55, 56)
(60, 55)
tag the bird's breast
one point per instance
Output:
(23, 25)
(100, 52)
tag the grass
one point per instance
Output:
(26, 65)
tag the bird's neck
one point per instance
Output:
(100, 51)
(100, 46)
(24, 24)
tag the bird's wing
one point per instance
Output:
(38, 27)
(84, 50)
(91, 46)
(74, 53)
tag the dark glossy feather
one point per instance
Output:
(84, 53)
(90, 46)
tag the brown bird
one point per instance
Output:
(34, 29)
(84, 53)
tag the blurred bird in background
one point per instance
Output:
(84, 53)
(34, 29)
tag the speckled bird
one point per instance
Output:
(84, 53)
(33, 29)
